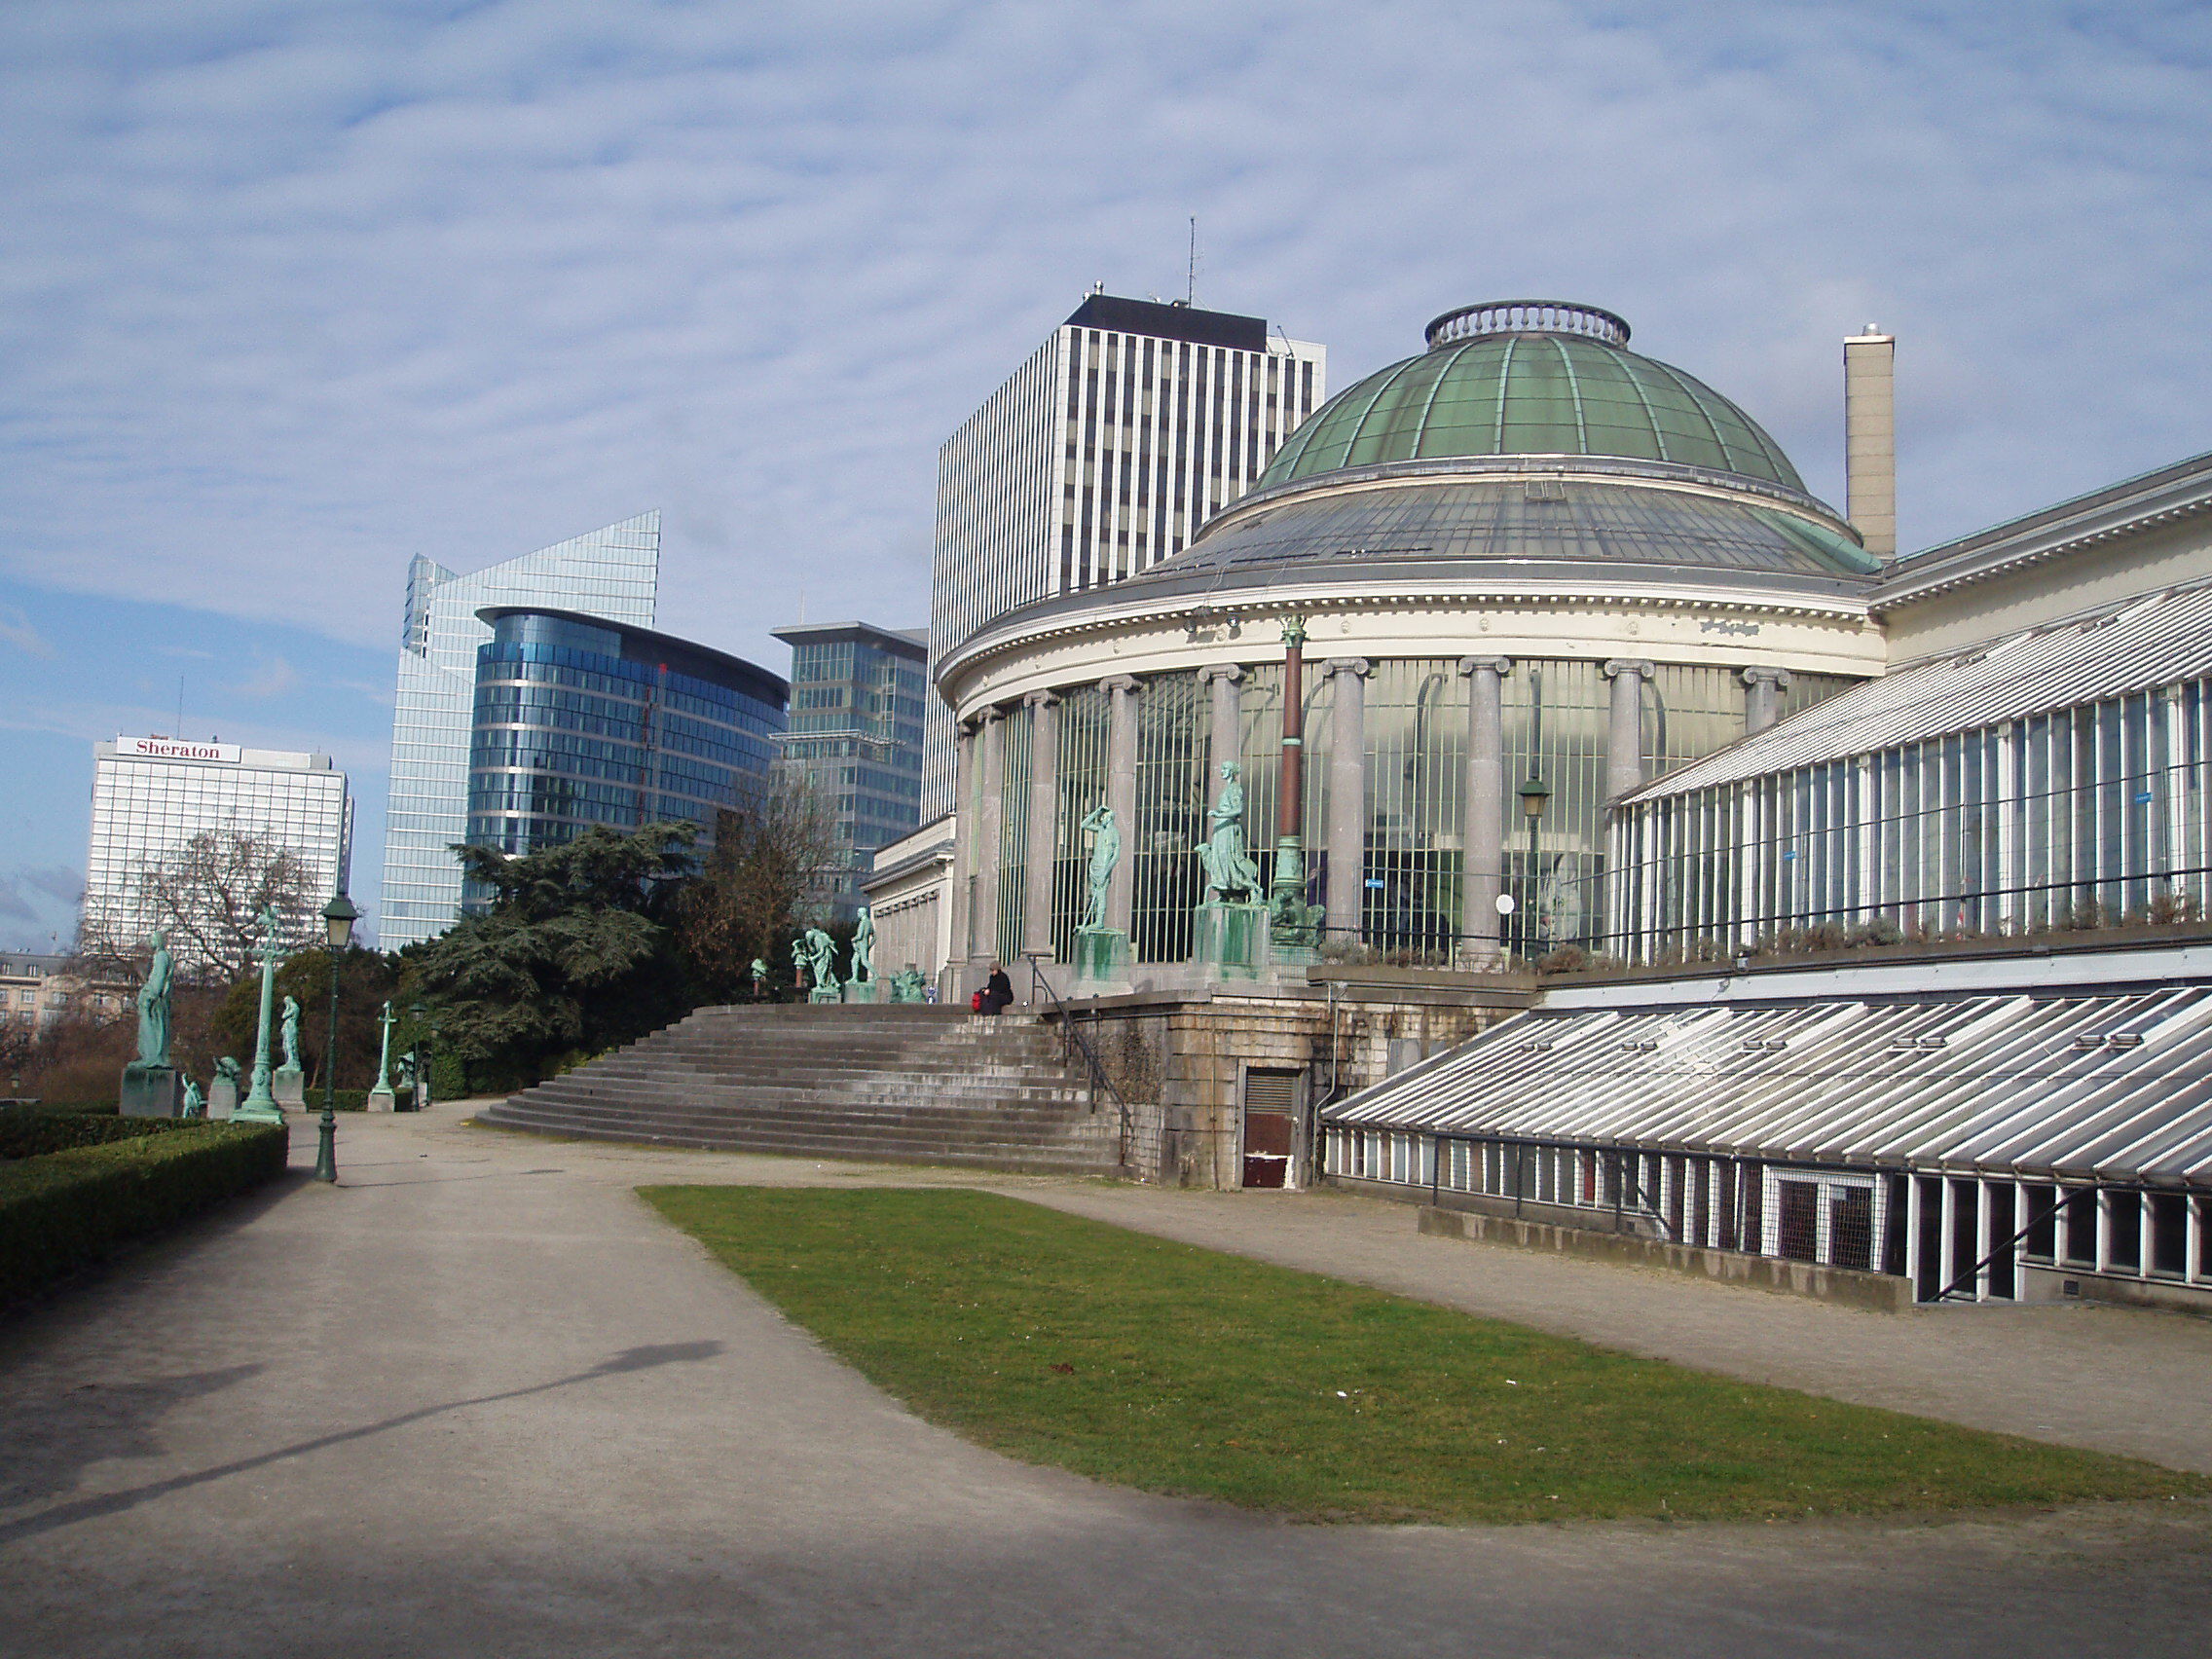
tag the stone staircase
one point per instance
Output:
(916, 1085)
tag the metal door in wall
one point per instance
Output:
(1271, 1104)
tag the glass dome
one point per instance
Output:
(1528, 377)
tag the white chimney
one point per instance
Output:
(1871, 439)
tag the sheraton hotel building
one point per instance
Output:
(1669, 858)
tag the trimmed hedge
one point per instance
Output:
(33, 1131)
(67, 1209)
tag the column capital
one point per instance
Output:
(1476, 664)
(1779, 677)
(1221, 670)
(1041, 699)
(1347, 665)
(986, 716)
(1120, 682)
(1635, 666)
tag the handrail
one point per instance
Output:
(1072, 1035)
(1972, 1275)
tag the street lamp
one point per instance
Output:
(338, 919)
(1536, 796)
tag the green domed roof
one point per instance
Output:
(1530, 376)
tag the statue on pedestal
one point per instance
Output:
(1231, 877)
(291, 1034)
(799, 958)
(150, 1082)
(759, 979)
(154, 1004)
(195, 1103)
(822, 965)
(1105, 853)
(864, 946)
(225, 1092)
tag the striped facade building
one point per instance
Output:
(1102, 455)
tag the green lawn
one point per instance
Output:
(1174, 1369)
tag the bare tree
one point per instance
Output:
(765, 864)
(207, 896)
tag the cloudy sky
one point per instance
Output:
(292, 289)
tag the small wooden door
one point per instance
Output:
(1270, 1111)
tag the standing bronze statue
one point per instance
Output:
(1231, 875)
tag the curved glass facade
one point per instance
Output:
(580, 722)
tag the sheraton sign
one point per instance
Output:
(177, 749)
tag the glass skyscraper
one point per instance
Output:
(580, 722)
(612, 574)
(1102, 455)
(856, 731)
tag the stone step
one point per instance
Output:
(915, 1085)
(1102, 1160)
(923, 1118)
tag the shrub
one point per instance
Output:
(33, 1131)
(67, 1209)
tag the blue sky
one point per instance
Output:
(290, 291)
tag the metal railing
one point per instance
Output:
(1072, 1042)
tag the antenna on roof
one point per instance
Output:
(1191, 277)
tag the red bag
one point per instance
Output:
(976, 1003)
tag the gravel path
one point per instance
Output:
(478, 1401)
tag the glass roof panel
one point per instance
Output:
(1556, 393)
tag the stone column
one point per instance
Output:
(1482, 810)
(1347, 794)
(1228, 735)
(959, 902)
(1121, 793)
(990, 759)
(1762, 697)
(1623, 731)
(1043, 838)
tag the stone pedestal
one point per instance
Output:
(1101, 961)
(290, 1089)
(151, 1091)
(380, 1100)
(826, 994)
(863, 991)
(222, 1097)
(1232, 940)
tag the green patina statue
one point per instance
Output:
(1231, 875)
(154, 1026)
(1105, 853)
(864, 946)
(821, 960)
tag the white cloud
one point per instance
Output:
(16, 629)
(274, 678)
(319, 286)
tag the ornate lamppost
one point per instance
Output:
(1291, 918)
(337, 918)
(1536, 796)
(260, 1104)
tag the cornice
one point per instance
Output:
(1110, 618)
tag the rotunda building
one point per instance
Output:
(1512, 577)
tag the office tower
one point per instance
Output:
(151, 796)
(579, 721)
(856, 731)
(1102, 455)
(612, 574)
